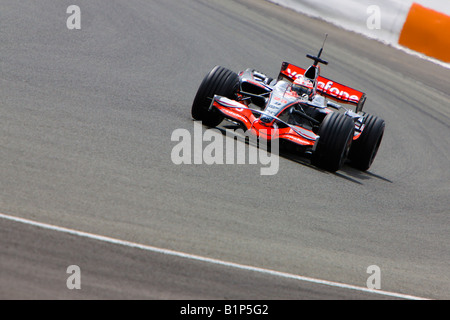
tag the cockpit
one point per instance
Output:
(304, 87)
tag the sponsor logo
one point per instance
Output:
(336, 92)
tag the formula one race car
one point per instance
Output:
(299, 108)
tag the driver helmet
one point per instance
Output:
(303, 86)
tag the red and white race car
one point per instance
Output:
(299, 108)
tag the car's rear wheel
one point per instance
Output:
(219, 81)
(365, 148)
(335, 139)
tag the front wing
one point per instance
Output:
(242, 114)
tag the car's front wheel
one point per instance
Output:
(335, 138)
(219, 81)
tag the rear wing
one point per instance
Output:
(326, 87)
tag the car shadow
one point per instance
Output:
(347, 172)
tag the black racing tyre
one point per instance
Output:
(335, 139)
(365, 148)
(219, 81)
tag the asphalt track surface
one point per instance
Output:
(85, 143)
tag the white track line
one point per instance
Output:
(205, 259)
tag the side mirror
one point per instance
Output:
(334, 105)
